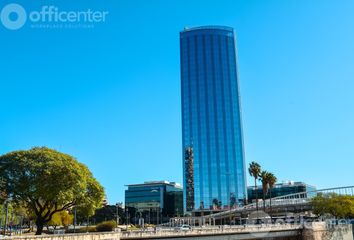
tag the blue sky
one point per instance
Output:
(110, 95)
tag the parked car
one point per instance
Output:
(183, 227)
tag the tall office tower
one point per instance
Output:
(211, 120)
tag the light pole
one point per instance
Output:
(228, 174)
(157, 212)
(87, 224)
(149, 215)
(21, 224)
(158, 215)
(74, 219)
(6, 215)
(126, 215)
(117, 215)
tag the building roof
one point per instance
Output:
(154, 183)
(210, 27)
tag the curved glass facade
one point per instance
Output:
(211, 116)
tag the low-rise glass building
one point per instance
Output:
(154, 201)
(281, 189)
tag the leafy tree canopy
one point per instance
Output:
(340, 206)
(47, 181)
(254, 169)
(108, 212)
(63, 218)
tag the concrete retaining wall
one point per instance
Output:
(320, 231)
(311, 231)
(77, 236)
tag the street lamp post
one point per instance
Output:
(87, 224)
(6, 215)
(117, 213)
(149, 215)
(21, 224)
(157, 217)
(126, 215)
(228, 174)
(74, 219)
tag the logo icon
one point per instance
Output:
(13, 16)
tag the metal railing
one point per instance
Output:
(291, 199)
(199, 231)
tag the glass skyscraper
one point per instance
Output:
(211, 119)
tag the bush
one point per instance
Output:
(106, 226)
(87, 229)
(91, 229)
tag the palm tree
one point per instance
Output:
(264, 178)
(254, 170)
(216, 203)
(272, 179)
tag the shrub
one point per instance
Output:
(106, 226)
(87, 229)
(91, 229)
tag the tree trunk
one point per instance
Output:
(270, 205)
(270, 200)
(264, 198)
(39, 225)
(255, 190)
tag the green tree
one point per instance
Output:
(272, 180)
(254, 170)
(55, 221)
(3, 195)
(66, 218)
(264, 178)
(84, 212)
(63, 218)
(109, 212)
(11, 214)
(233, 200)
(339, 206)
(216, 203)
(46, 181)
